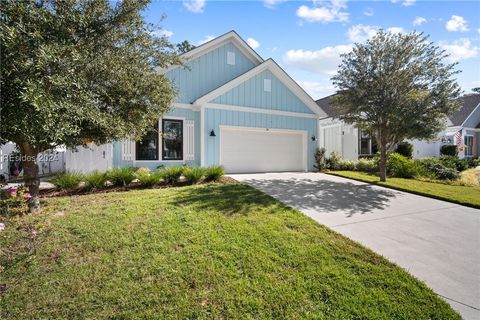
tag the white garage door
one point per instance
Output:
(244, 150)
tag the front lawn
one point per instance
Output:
(465, 195)
(207, 251)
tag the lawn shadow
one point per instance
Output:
(230, 198)
(324, 195)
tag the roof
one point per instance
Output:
(470, 102)
(217, 42)
(272, 66)
(324, 104)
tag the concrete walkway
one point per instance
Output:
(436, 241)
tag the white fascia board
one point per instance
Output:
(279, 73)
(259, 110)
(216, 43)
(474, 109)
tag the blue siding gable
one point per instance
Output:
(208, 72)
(251, 93)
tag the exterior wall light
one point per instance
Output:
(212, 134)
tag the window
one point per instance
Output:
(231, 58)
(172, 141)
(267, 85)
(147, 148)
(468, 146)
(366, 144)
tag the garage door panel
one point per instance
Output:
(261, 151)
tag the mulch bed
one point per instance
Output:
(50, 193)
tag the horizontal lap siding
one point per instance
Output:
(177, 112)
(207, 73)
(215, 117)
(251, 94)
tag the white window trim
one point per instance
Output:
(471, 149)
(160, 144)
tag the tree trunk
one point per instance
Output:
(30, 174)
(383, 163)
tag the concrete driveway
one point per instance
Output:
(436, 241)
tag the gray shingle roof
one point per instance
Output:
(470, 102)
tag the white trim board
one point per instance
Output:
(216, 43)
(473, 111)
(228, 107)
(273, 67)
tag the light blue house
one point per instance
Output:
(233, 109)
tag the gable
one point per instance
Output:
(254, 93)
(208, 71)
(473, 119)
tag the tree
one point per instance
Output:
(184, 46)
(76, 71)
(476, 90)
(398, 87)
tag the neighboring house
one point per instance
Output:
(351, 143)
(233, 109)
(49, 161)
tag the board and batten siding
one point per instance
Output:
(207, 72)
(216, 117)
(252, 93)
(152, 165)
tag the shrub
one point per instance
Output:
(366, 165)
(435, 167)
(67, 180)
(214, 173)
(454, 162)
(147, 178)
(346, 165)
(171, 175)
(193, 175)
(320, 163)
(121, 177)
(401, 166)
(14, 201)
(333, 162)
(449, 150)
(473, 162)
(95, 180)
(405, 148)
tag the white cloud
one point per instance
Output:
(253, 43)
(396, 30)
(272, 3)
(323, 61)
(418, 21)
(456, 23)
(361, 32)
(408, 3)
(460, 49)
(478, 30)
(162, 33)
(195, 6)
(330, 11)
(369, 12)
(317, 90)
(206, 39)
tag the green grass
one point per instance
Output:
(221, 251)
(465, 195)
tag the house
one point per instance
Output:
(351, 143)
(233, 109)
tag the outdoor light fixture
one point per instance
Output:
(314, 138)
(212, 134)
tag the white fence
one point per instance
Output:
(89, 158)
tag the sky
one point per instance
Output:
(307, 38)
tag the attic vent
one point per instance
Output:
(231, 58)
(267, 85)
